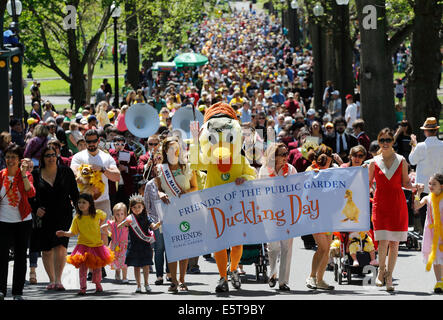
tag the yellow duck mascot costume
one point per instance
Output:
(217, 150)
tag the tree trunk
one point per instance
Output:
(132, 43)
(315, 34)
(90, 67)
(377, 93)
(343, 54)
(423, 73)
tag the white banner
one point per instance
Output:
(265, 210)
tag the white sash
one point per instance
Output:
(170, 180)
(150, 238)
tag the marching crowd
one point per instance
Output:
(87, 175)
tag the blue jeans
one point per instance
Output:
(33, 258)
(159, 254)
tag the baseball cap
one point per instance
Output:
(310, 112)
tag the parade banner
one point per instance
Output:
(265, 210)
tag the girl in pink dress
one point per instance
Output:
(389, 210)
(119, 241)
(432, 247)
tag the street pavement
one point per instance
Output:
(411, 281)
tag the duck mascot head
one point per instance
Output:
(217, 150)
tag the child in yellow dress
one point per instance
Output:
(90, 252)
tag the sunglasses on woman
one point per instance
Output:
(383, 140)
(50, 155)
(359, 155)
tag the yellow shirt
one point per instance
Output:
(88, 229)
(237, 101)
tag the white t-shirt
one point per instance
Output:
(351, 112)
(102, 159)
(8, 213)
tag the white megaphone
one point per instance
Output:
(142, 120)
(182, 118)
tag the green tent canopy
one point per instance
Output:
(190, 59)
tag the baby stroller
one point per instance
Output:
(256, 254)
(343, 263)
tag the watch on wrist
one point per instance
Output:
(102, 170)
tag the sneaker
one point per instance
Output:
(18, 297)
(323, 285)
(148, 288)
(158, 282)
(82, 292)
(222, 285)
(194, 270)
(138, 290)
(438, 287)
(235, 279)
(272, 282)
(311, 283)
(284, 287)
(125, 281)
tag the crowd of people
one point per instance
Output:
(252, 67)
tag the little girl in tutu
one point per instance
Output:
(432, 247)
(119, 241)
(89, 251)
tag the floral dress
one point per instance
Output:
(119, 244)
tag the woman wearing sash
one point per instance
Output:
(276, 164)
(175, 177)
(389, 210)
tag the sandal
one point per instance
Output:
(32, 277)
(173, 288)
(183, 287)
(59, 287)
(388, 281)
(50, 286)
(380, 283)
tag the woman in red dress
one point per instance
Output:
(389, 211)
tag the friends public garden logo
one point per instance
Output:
(186, 237)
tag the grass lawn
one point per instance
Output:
(42, 72)
(61, 87)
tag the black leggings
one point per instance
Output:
(15, 236)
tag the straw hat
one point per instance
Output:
(430, 124)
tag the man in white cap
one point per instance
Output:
(310, 117)
(427, 156)
(334, 106)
